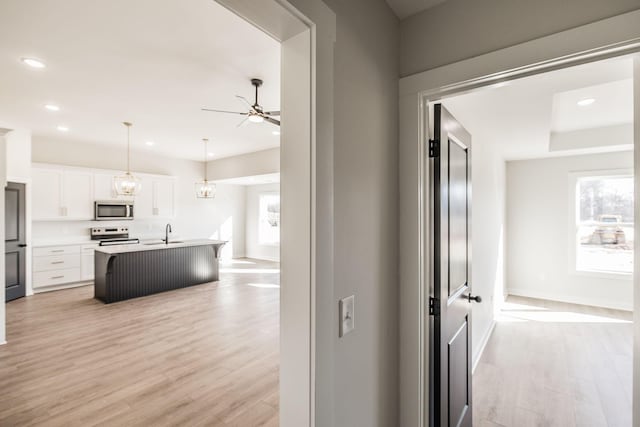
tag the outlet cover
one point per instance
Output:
(347, 315)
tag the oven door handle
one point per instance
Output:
(128, 210)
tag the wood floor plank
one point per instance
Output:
(205, 355)
(555, 364)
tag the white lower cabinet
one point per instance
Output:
(62, 265)
(87, 269)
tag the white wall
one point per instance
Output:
(487, 238)
(253, 247)
(428, 39)
(251, 164)
(538, 234)
(223, 217)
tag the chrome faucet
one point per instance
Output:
(167, 230)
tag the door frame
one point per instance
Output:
(307, 36)
(600, 40)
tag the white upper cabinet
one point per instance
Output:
(46, 194)
(77, 195)
(103, 186)
(64, 193)
(163, 197)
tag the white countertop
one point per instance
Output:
(64, 242)
(155, 245)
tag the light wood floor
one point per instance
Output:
(205, 355)
(555, 364)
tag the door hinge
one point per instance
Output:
(434, 148)
(433, 306)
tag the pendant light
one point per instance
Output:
(127, 184)
(204, 188)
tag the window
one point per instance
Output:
(269, 219)
(604, 222)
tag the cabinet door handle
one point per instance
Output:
(57, 262)
(56, 277)
(57, 250)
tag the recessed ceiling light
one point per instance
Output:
(276, 132)
(52, 107)
(150, 143)
(63, 128)
(211, 154)
(586, 102)
(33, 62)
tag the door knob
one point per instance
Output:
(476, 298)
(22, 245)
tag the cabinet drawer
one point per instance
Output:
(56, 277)
(56, 262)
(56, 250)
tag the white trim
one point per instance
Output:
(604, 39)
(3, 343)
(571, 299)
(483, 345)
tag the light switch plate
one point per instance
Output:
(347, 315)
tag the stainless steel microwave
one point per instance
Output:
(109, 210)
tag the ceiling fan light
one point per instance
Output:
(254, 118)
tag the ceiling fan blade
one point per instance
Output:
(243, 122)
(222, 111)
(243, 99)
(272, 120)
(272, 113)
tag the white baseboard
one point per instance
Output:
(3, 343)
(483, 345)
(61, 287)
(572, 299)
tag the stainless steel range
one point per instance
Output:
(109, 236)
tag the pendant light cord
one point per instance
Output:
(206, 141)
(128, 125)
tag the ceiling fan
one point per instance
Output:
(256, 113)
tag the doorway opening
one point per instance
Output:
(71, 166)
(552, 230)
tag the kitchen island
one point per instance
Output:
(129, 271)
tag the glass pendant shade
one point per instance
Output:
(127, 184)
(204, 188)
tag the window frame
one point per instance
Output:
(260, 195)
(574, 217)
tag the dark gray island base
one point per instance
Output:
(131, 271)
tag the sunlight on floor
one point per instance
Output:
(264, 285)
(236, 261)
(512, 312)
(250, 270)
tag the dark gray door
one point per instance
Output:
(15, 240)
(450, 302)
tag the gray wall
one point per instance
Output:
(365, 363)
(461, 29)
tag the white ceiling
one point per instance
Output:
(405, 8)
(152, 62)
(518, 119)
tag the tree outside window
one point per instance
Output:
(269, 219)
(604, 220)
